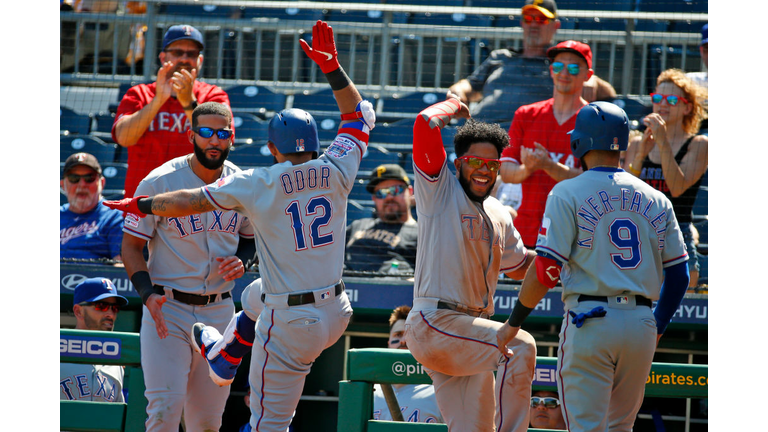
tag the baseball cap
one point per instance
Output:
(579, 48)
(95, 289)
(547, 7)
(705, 34)
(86, 159)
(386, 172)
(181, 32)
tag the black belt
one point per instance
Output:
(197, 300)
(307, 298)
(639, 300)
(463, 309)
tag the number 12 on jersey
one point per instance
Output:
(318, 208)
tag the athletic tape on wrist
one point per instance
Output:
(519, 313)
(338, 79)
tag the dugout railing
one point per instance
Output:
(109, 348)
(257, 43)
(392, 366)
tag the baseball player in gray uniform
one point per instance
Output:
(95, 305)
(193, 262)
(471, 240)
(298, 211)
(615, 245)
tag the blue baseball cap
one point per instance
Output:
(705, 34)
(95, 289)
(181, 32)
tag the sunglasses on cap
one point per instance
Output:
(672, 100)
(207, 132)
(536, 18)
(392, 190)
(548, 402)
(102, 306)
(478, 162)
(179, 53)
(75, 178)
(573, 68)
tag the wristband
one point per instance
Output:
(633, 171)
(338, 79)
(519, 314)
(145, 205)
(191, 106)
(143, 285)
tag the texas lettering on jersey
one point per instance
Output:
(569, 161)
(601, 204)
(222, 222)
(476, 229)
(78, 387)
(170, 122)
(76, 231)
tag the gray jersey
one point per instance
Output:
(470, 243)
(305, 204)
(613, 233)
(183, 250)
(89, 382)
(417, 403)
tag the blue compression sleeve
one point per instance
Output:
(672, 291)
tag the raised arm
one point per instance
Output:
(428, 152)
(169, 204)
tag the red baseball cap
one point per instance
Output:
(579, 48)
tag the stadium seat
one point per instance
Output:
(198, 11)
(406, 106)
(251, 155)
(400, 132)
(104, 121)
(70, 144)
(635, 108)
(255, 99)
(358, 192)
(320, 101)
(456, 19)
(72, 122)
(311, 15)
(681, 6)
(327, 128)
(358, 210)
(114, 173)
(369, 16)
(376, 155)
(249, 129)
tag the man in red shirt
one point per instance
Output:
(539, 154)
(152, 119)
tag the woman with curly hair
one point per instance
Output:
(670, 155)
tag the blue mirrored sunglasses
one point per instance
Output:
(207, 132)
(573, 68)
(392, 190)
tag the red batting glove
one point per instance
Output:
(129, 205)
(323, 51)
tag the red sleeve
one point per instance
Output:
(428, 152)
(131, 103)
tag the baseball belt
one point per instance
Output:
(463, 309)
(639, 300)
(196, 299)
(307, 298)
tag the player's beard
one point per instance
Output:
(465, 184)
(392, 216)
(210, 164)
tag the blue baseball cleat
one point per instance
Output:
(205, 340)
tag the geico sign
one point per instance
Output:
(89, 347)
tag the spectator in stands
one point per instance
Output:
(546, 412)
(387, 240)
(87, 34)
(153, 119)
(671, 156)
(95, 304)
(702, 78)
(417, 402)
(88, 230)
(509, 79)
(539, 153)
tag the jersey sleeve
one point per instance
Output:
(231, 191)
(558, 230)
(246, 229)
(347, 149)
(515, 253)
(142, 227)
(428, 151)
(674, 251)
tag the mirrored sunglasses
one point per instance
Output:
(102, 306)
(672, 100)
(573, 68)
(207, 132)
(392, 190)
(478, 162)
(75, 178)
(536, 18)
(548, 402)
(192, 54)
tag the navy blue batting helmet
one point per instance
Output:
(600, 126)
(294, 131)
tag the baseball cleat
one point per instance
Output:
(221, 371)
